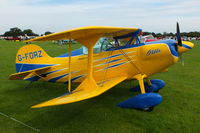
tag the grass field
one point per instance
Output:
(178, 113)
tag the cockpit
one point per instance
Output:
(114, 43)
(110, 43)
(103, 44)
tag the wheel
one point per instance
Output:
(148, 109)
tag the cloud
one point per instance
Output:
(43, 15)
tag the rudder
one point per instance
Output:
(31, 57)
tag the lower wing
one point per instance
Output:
(82, 93)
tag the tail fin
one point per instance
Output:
(31, 57)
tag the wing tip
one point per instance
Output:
(37, 106)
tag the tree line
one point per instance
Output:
(15, 32)
(165, 34)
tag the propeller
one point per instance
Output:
(178, 35)
(179, 42)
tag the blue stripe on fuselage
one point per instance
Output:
(112, 61)
(57, 78)
(109, 57)
(115, 65)
(75, 78)
(45, 74)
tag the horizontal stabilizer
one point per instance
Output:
(82, 93)
(23, 75)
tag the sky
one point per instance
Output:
(59, 15)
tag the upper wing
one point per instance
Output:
(86, 33)
(82, 94)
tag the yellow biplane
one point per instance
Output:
(109, 56)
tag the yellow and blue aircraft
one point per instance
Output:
(109, 56)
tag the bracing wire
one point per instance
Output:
(105, 72)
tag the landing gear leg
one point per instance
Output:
(148, 81)
(150, 86)
(140, 78)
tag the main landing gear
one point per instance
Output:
(154, 86)
(145, 101)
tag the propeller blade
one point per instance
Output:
(178, 34)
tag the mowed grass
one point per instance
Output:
(179, 112)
